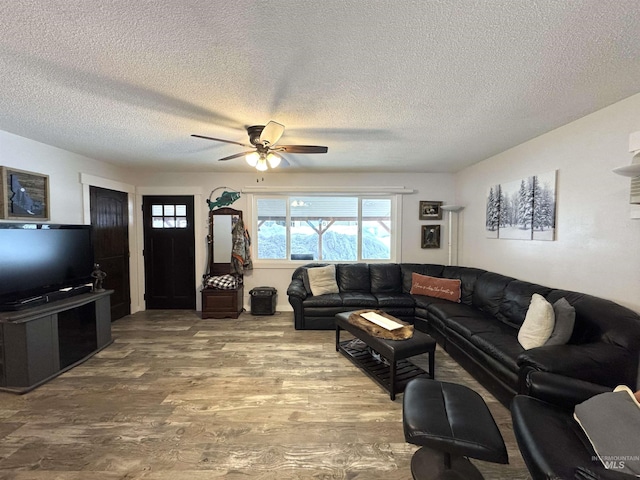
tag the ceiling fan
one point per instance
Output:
(264, 139)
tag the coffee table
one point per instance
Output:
(394, 374)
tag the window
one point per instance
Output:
(324, 228)
(169, 216)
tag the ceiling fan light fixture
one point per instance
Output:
(274, 160)
(252, 159)
(262, 166)
(264, 139)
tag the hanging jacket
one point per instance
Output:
(241, 249)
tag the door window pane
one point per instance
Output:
(169, 216)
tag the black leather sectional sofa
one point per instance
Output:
(481, 331)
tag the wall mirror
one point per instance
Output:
(221, 222)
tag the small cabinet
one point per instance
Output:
(222, 303)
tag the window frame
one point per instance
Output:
(395, 226)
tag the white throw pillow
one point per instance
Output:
(538, 323)
(322, 280)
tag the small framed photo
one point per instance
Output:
(430, 210)
(23, 195)
(430, 236)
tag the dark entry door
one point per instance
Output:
(169, 252)
(109, 218)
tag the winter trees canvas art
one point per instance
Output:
(493, 211)
(524, 209)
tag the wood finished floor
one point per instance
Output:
(176, 397)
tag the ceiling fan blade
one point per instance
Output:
(302, 149)
(221, 140)
(231, 157)
(271, 133)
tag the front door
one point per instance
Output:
(169, 252)
(109, 219)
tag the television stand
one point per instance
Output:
(39, 343)
(44, 298)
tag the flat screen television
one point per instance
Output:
(43, 262)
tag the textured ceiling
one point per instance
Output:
(397, 85)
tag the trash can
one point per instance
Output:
(263, 300)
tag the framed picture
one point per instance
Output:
(23, 195)
(430, 236)
(430, 210)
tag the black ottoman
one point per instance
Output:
(450, 422)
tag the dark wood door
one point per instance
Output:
(169, 252)
(109, 218)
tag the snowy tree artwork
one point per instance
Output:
(517, 212)
(493, 211)
(524, 209)
(544, 206)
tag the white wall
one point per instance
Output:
(597, 250)
(64, 169)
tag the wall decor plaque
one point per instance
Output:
(430, 210)
(23, 195)
(430, 237)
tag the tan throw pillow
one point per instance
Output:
(446, 288)
(538, 323)
(322, 280)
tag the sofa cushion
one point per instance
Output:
(468, 276)
(516, 300)
(328, 300)
(446, 288)
(407, 269)
(385, 278)
(565, 319)
(301, 273)
(394, 300)
(353, 277)
(467, 326)
(502, 345)
(598, 319)
(538, 323)
(445, 310)
(489, 291)
(359, 300)
(322, 280)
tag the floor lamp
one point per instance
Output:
(452, 209)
